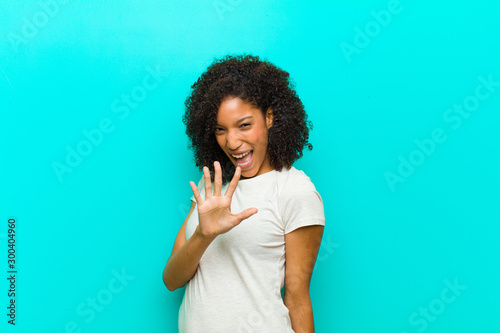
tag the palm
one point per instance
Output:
(214, 212)
(215, 215)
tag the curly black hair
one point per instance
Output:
(259, 83)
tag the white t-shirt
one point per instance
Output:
(237, 286)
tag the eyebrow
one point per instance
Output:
(244, 118)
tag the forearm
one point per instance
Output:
(301, 314)
(182, 265)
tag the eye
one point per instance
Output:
(245, 125)
(218, 130)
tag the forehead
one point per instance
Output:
(233, 109)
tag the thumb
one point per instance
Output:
(246, 214)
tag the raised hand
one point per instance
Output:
(215, 217)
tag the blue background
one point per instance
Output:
(376, 77)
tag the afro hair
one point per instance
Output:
(259, 83)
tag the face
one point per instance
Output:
(241, 132)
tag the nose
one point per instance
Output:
(233, 142)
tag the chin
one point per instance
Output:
(248, 174)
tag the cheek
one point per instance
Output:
(262, 140)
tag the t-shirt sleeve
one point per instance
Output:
(300, 204)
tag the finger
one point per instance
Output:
(246, 214)
(234, 182)
(218, 179)
(196, 193)
(208, 183)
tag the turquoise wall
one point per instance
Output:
(405, 101)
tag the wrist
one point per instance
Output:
(203, 237)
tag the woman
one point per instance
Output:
(253, 217)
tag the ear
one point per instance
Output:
(269, 118)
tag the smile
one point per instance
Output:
(244, 161)
(242, 155)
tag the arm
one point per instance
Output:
(215, 218)
(186, 255)
(301, 246)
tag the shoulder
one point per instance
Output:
(294, 185)
(299, 203)
(293, 180)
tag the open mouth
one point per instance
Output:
(243, 160)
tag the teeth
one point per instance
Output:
(242, 155)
